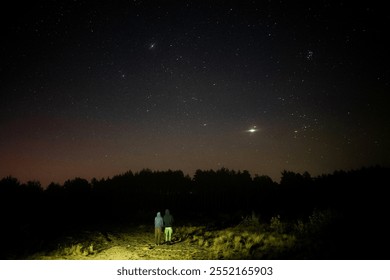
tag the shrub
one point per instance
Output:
(277, 225)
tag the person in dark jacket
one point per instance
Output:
(168, 223)
(158, 225)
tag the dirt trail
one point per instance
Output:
(134, 244)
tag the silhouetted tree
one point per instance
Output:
(78, 200)
(264, 199)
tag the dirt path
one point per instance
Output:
(132, 244)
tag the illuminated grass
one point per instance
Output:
(250, 239)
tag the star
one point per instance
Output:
(309, 55)
(252, 130)
(152, 46)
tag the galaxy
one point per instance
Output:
(92, 89)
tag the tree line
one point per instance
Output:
(209, 191)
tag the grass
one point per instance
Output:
(252, 239)
(249, 239)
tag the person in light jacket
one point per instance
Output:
(158, 225)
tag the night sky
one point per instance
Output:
(94, 89)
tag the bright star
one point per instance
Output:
(252, 130)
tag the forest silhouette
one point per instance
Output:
(34, 216)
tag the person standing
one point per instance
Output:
(158, 224)
(168, 223)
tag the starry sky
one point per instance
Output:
(94, 89)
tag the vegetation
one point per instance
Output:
(229, 214)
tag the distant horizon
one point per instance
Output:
(191, 175)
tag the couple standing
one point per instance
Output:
(159, 223)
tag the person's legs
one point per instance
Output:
(166, 234)
(158, 236)
(169, 234)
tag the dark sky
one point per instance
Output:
(94, 89)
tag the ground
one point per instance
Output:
(133, 243)
(248, 239)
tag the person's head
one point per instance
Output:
(167, 211)
(158, 214)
